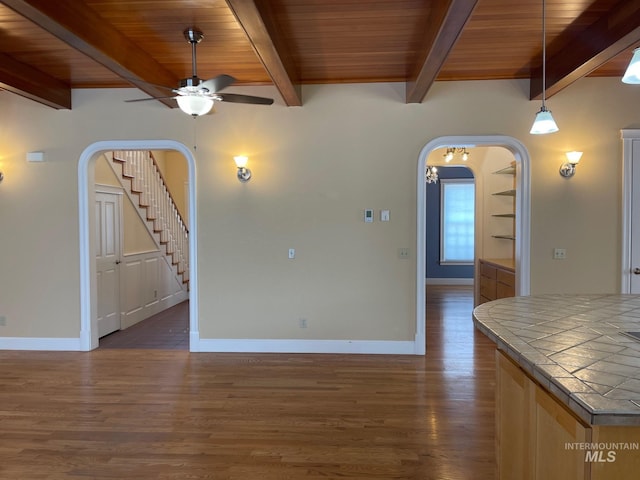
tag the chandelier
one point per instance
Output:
(431, 174)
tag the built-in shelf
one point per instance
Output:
(510, 170)
(506, 193)
(506, 228)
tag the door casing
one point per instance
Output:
(630, 283)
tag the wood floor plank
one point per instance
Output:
(171, 414)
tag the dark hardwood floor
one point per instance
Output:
(169, 414)
(167, 330)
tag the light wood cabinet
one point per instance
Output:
(512, 420)
(626, 464)
(552, 428)
(532, 430)
(497, 279)
(535, 433)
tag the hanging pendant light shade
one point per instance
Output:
(544, 122)
(632, 74)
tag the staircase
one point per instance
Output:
(146, 187)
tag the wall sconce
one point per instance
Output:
(431, 174)
(568, 168)
(244, 174)
(451, 151)
(1, 177)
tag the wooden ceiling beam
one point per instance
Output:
(28, 82)
(260, 31)
(83, 29)
(589, 49)
(447, 20)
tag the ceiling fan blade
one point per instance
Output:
(147, 99)
(139, 80)
(236, 98)
(214, 85)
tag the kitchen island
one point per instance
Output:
(567, 385)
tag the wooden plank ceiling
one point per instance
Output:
(49, 47)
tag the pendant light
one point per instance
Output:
(544, 122)
(632, 74)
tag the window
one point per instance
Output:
(457, 219)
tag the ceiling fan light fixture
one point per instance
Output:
(195, 96)
(195, 105)
(632, 74)
(543, 123)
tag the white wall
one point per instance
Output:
(315, 168)
(494, 160)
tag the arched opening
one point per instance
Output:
(86, 200)
(522, 220)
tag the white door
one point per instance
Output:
(108, 261)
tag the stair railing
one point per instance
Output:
(148, 182)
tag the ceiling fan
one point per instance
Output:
(196, 96)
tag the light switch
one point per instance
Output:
(384, 215)
(292, 253)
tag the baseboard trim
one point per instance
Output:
(29, 343)
(376, 347)
(129, 319)
(449, 281)
(382, 347)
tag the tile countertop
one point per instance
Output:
(571, 345)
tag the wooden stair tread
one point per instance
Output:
(153, 214)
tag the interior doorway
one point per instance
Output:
(88, 269)
(150, 264)
(521, 241)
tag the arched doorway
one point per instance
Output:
(88, 288)
(522, 224)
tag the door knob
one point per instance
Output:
(636, 271)
(118, 263)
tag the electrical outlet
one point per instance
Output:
(559, 253)
(302, 322)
